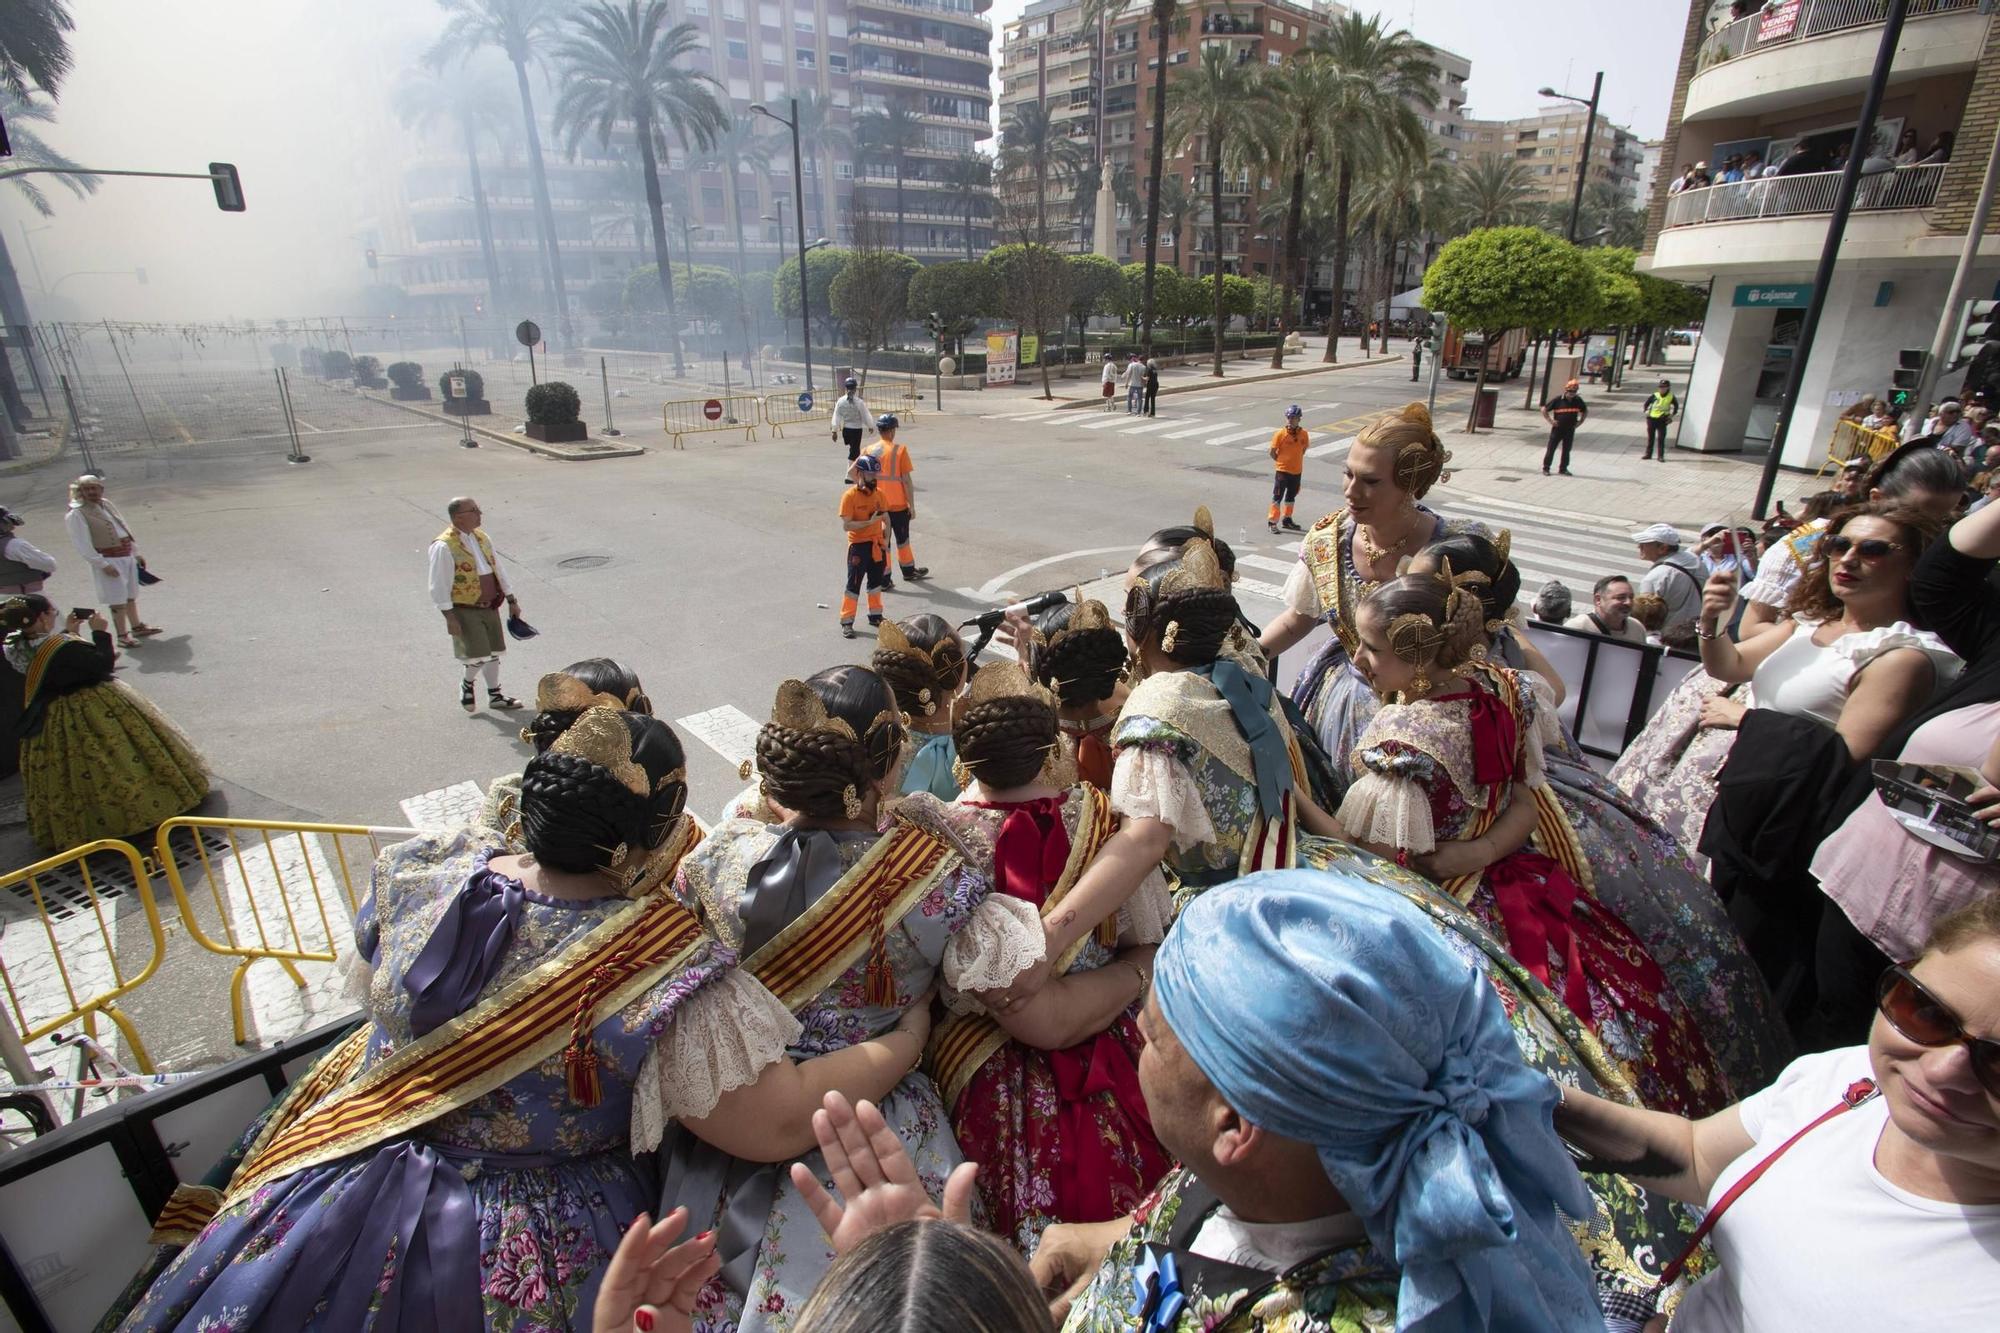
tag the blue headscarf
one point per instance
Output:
(1326, 1009)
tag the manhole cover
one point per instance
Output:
(584, 562)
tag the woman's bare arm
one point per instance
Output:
(770, 1120)
(1678, 1157)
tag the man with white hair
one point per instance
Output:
(1675, 576)
(467, 585)
(104, 540)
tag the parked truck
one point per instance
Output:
(1504, 358)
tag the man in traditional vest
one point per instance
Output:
(104, 540)
(23, 568)
(1661, 409)
(898, 484)
(468, 587)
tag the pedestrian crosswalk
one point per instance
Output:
(1206, 427)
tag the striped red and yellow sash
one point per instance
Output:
(526, 1022)
(965, 1042)
(38, 665)
(852, 919)
(1553, 836)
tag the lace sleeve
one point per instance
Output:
(1387, 808)
(1148, 782)
(1148, 912)
(1003, 939)
(1301, 593)
(722, 1037)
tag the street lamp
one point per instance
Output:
(777, 215)
(1583, 162)
(798, 178)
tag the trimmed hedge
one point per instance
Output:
(554, 404)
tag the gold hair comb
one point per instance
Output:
(798, 708)
(601, 737)
(1005, 680)
(1199, 567)
(560, 692)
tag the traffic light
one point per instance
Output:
(1909, 374)
(228, 186)
(1978, 324)
(371, 258)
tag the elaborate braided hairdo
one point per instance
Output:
(1482, 565)
(1005, 734)
(1083, 665)
(923, 659)
(613, 780)
(562, 696)
(1409, 439)
(17, 613)
(831, 738)
(1182, 603)
(1428, 620)
(1168, 542)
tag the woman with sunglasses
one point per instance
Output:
(1862, 1189)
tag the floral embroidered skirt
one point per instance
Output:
(106, 764)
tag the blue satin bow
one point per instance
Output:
(1157, 1299)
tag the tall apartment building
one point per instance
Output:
(1787, 86)
(1098, 80)
(931, 56)
(1550, 145)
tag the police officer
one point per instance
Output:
(898, 484)
(861, 516)
(1416, 356)
(1564, 413)
(850, 418)
(1661, 408)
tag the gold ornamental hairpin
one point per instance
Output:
(1199, 568)
(560, 692)
(1006, 680)
(1088, 615)
(798, 708)
(601, 737)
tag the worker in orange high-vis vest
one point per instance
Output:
(1288, 454)
(864, 518)
(898, 484)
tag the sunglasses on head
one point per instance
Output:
(1926, 1020)
(1871, 548)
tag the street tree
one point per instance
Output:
(871, 296)
(1214, 110)
(1381, 77)
(1490, 192)
(1037, 152)
(891, 136)
(34, 46)
(822, 267)
(1666, 305)
(739, 146)
(709, 294)
(30, 150)
(1502, 278)
(622, 68)
(970, 175)
(1305, 90)
(1397, 207)
(1034, 282)
(1168, 16)
(1619, 300)
(958, 293)
(1096, 287)
(521, 30)
(470, 100)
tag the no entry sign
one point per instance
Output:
(712, 409)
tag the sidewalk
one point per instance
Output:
(1612, 480)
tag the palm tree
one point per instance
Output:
(34, 46)
(892, 134)
(1491, 192)
(1396, 202)
(1381, 76)
(519, 29)
(1035, 149)
(29, 151)
(740, 145)
(1166, 15)
(620, 66)
(1609, 217)
(1305, 90)
(822, 135)
(1177, 201)
(1217, 105)
(970, 174)
(472, 103)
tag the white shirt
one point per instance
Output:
(1273, 1246)
(1631, 631)
(18, 549)
(441, 569)
(79, 534)
(1135, 375)
(1677, 580)
(1822, 1241)
(850, 413)
(1806, 679)
(1110, 375)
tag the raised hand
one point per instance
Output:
(876, 1180)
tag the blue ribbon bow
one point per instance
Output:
(1157, 1299)
(1249, 700)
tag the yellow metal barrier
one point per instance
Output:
(689, 416)
(1851, 439)
(902, 399)
(782, 410)
(82, 959)
(272, 902)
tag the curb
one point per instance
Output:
(1210, 383)
(555, 451)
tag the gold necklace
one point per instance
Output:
(1376, 553)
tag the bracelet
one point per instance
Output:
(1145, 978)
(1701, 633)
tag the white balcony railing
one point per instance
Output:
(1815, 18)
(1792, 196)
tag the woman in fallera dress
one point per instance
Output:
(924, 662)
(1077, 652)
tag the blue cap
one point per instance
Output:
(887, 421)
(852, 383)
(1295, 411)
(867, 463)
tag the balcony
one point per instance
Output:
(930, 11)
(1778, 225)
(1791, 196)
(1763, 63)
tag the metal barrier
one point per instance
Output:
(1615, 685)
(690, 416)
(1851, 439)
(1808, 193)
(83, 953)
(903, 400)
(782, 410)
(271, 904)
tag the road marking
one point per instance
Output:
(1123, 418)
(988, 590)
(1339, 446)
(1191, 402)
(1234, 436)
(1196, 430)
(728, 730)
(1274, 591)
(1146, 429)
(1265, 562)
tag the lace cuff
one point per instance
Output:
(1002, 939)
(1147, 783)
(1392, 811)
(722, 1037)
(1148, 912)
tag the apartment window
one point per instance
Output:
(807, 57)
(697, 9)
(738, 50)
(732, 9)
(803, 20)
(1295, 33)
(740, 89)
(1273, 58)
(836, 25)
(711, 198)
(843, 171)
(770, 13)
(1278, 26)
(775, 90)
(746, 201)
(837, 62)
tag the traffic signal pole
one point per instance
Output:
(1942, 352)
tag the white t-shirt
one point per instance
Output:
(1823, 1242)
(1631, 631)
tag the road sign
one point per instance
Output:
(458, 384)
(527, 333)
(1788, 296)
(712, 409)
(805, 402)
